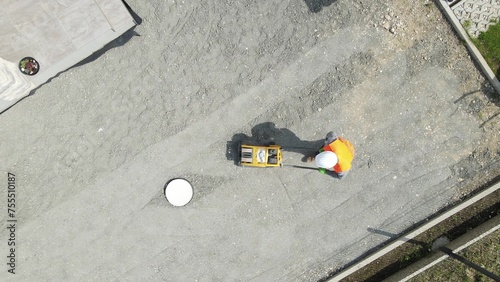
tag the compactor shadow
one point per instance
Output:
(315, 6)
(268, 134)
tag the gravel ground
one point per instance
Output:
(93, 148)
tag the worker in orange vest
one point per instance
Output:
(335, 157)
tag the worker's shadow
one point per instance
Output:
(267, 133)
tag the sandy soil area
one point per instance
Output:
(92, 149)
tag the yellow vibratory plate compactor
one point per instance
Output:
(265, 156)
(260, 156)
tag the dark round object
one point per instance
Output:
(29, 66)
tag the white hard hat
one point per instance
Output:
(326, 159)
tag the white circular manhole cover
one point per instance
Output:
(179, 192)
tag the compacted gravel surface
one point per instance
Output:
(92, 149)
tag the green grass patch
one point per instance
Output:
(467, 24)
(488, 44)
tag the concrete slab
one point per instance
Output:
(93, 149)
(58, 34)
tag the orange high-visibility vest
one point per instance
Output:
(344, 151)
